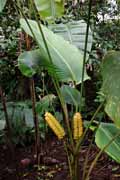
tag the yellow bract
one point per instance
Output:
(77, 126)
(54, 125)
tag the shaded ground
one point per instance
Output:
(54, 164)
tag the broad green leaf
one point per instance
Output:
(49, 8)
(71, 95)
(74, 32)
(103, 136)
(27, 61)
(2, 4)
(111, 85)
(30, 62)
(65, 56)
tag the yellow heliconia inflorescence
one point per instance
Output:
(77, 126)
(54, 125)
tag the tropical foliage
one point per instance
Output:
(56, 51)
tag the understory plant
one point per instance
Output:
(62, 51)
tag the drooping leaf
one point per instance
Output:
(111, 85)
(49, 8)
(74, 32)
(30, 62)
(104, 135)
(2, 4)
(71, 95)
(65, 56)
(27, 61)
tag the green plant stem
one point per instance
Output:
(40, 29)
(55, 81)
(23, 15)
(89, 148)
(84, 134)
(99, 154)
(85, 50)
(86, 158)
(75, 168)
(68, 157)
(36, 123)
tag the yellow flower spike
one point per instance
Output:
(77, 126)
(54, 125)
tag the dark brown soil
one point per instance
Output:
(53, 164)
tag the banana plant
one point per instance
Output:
(68, 62)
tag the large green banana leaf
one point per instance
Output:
(49, 8)
(2, 4)
(104, 134)
(65, 56)
(74, 32)
(111, 85)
